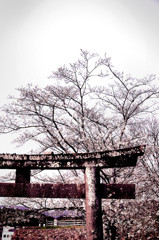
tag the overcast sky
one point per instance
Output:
(37, 36)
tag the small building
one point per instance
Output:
(7, 233)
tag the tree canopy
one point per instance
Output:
(90, 106)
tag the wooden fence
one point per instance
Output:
(66, 223)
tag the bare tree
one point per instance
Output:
(73, 115)
(89, 106)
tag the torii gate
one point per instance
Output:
(92, 190)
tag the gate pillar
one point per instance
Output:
(93, 204)
(22, 175)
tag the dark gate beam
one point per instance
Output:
(60, 190)
(107, 159)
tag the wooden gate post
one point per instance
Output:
(93, 204)
(22, 175)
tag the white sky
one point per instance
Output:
(37, 36)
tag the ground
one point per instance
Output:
(72, 233)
